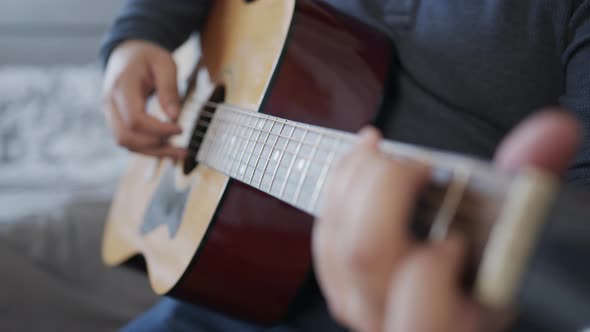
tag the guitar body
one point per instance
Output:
(212, 240)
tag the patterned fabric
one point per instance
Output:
(54, 145)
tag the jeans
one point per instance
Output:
(178, 316)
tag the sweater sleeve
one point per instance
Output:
(165, 22)
(576, 60)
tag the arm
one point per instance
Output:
(576, 62)
(557, 270)
(166, 23)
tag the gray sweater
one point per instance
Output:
(470, 70)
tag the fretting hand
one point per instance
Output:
(374, 275)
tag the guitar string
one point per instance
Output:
(274, 148)
(261, 182)
(392, 149)
(227, 155)
(270, 158)
(321, 146)
(257, 130)
(395, 149)
(344, 137)
(240, 127)
(201, 134)
(430, 199)
(250, 113)
(262, 144)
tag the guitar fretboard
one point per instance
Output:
(283, 158)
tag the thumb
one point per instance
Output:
(166, 85)
(547, 140)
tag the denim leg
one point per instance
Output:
(177, 316)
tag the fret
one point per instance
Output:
(243, 163)
(257, 121)
(265, 153)
(305, 172)
(226, 139)
(240, 140)
(294, 160)
(278, 179)
(233, 147)
(313, 205)
(279, 156)
(264, 142)
(230, 145)
(271, 149)
(219, 130)
(210, 149)
(305, 144)
(219, 159)
(243, 166)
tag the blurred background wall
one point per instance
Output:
(54, 145)
(58, 169)
(49, 32)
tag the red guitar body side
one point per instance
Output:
(256, 256)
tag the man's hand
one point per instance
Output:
(135, 70)
(374, 275)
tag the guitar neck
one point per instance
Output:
(291, 160)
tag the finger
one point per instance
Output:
(167, 86)
(167, 151)
(355, 258)
(424, 295)
(342, 175)
(331, 275)
(130, 140)
(547, 140)
(148, 145)
(130, 101)
(389, 193)
(368, 138)
(327, 231)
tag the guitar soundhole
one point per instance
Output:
(200, 129)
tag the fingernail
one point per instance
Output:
(177, 128)
(368, 135)
(181, 154)
(173, 111)
(454, 246)
(367, 131)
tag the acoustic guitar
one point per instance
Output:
(270, 107)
